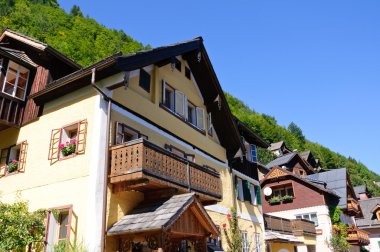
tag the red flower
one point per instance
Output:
(228, 216)
(61, 146)
(224, 225)
(14, 161)
(67, 143)
(73, 141)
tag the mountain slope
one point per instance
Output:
(86, 41)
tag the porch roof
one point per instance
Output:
(271, 236)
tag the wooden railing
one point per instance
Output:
(246, 167)
(140, 159)
(357, 236)
(353, 206)
(287, 226)
(11, 111)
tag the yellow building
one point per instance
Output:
(137, 152)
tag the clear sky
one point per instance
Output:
(314, 62)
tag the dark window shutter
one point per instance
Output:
(144, 81)
(246, 191)
(258, 195)
(188, 73)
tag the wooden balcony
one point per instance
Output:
(287, 226)
(353, 207)
(11, 111)
(356, 236)
(143, 166)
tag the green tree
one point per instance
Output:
(76, 11)
(296, 131)
(20, 228)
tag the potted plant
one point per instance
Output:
(275, 200)
(287, 198)
(68, 148)
(12, 166)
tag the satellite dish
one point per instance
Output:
(267, 191)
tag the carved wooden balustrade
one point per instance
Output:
(357, 236)
(141, 165)
(353, 207)
(287, 226)
(11, 111)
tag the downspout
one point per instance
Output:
(106, 160)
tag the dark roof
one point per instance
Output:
(250, 135)
(369, 219)
(280, 161)
(17, 55)
(202, 70)
(154, 215)
(336, 180)
(305, 154)
(360, 189)
(276, 146)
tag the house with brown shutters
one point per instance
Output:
(135, 152)
(292, 196)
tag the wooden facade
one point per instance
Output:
(142, 165)
(287, 226)
(357, 236)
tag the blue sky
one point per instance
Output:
(315, 62)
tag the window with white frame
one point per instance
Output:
(244, 241)
(124, 133)
(58, 227)
(12, 159)
(239, 188)
(15, 81)
(257, 242)
(286, 190)
(177, 102)
(308, 216)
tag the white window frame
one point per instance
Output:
(244, 241)
(200, 113)
(258, 242)
(17, 80)
(301, 216)
(240, 192)
(210, 129)
(178, 95)
(253, 194)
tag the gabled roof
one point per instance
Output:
(161, 215)
(369, 219)
(277, 172)
(193, 51)
(336, 180)
(282, 160)
(276, 146)
(305, 154)
(359, 190)
(249, 135)
(18, 56)
(38, 45)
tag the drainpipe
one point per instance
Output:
(106, 161)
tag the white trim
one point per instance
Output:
(96, 182)
(163, 133)
(245, 177)
(225, 211)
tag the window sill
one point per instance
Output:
(61, 157)
(11, 174)
(203, 132)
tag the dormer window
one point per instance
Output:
(16, 80)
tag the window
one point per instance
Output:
(244, 240)
(177, 64)
(188, 73)
(309, 216)
(177, 102)
(144, 80)
(16, 81)
(239, 188)
(210, 130)
(68, 141)
(125, 133)
(58, 227)
(180, 153)
(283, 191)
(253, 153)
(12, 159)
(257, 242)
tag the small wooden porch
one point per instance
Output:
(179, 223)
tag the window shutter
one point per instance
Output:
(240, 189)
(246, 191)
(119, 133)
(163, 92)
(81, 137)
(22, 158)
(179, 103)
(55, 138)
(51, 229)
(253, 195)
(209, 124)
(200, 118)
(258, 195)
(186, 105)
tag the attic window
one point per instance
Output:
(15, 81)
(178, 65)
(144, 81)
(188, 73)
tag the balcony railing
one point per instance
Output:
(11, 111)
(287, 226)
(353, 207)
(142, 165)
(246, 167)
(356, 236)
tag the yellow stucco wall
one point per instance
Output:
(276, 247)
(65, 182)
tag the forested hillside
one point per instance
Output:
(86, 41)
